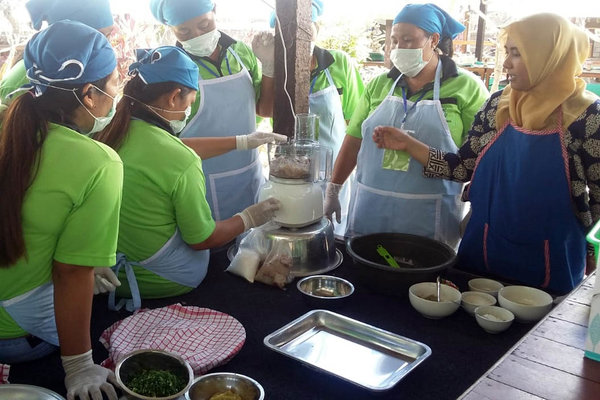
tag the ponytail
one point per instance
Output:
(24, 130)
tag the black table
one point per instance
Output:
(461, 350)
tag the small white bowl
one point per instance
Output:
(494, 319)
(485, 285)
(527, 303)
(471, 300)
(420, 293)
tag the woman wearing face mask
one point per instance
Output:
(166, 225)
(531, 157)
(59, 223)
(335, 89)
(231, 92)
(426, 93)
(93, 13)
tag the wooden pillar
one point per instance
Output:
(295, 19)
(480, 32)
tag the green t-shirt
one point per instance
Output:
(461, 97)
(163, 189)
(346, 78)
(70, 214)
(14, 79)
(246, 56)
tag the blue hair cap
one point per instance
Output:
(165, 64)
(176, 12)
(94, 13)
(316, 12)
(430, 18)
(67, 53)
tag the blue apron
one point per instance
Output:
(523, 225)
(405, 201)
(34, 312)
(227, 108)
(327, 105)
(175, 261)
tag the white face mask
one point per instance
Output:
(175, 124)
(100, 122)
(203, 45)
(409, 61)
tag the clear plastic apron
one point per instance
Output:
(387, 200)
(34, 312)
(227, 108)
(175, 261)
(327, 105)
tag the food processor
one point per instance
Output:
(298, 172)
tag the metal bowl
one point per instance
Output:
(419, 259)
(146, 359)
(206, 386)
(312, 247)
(325, 290)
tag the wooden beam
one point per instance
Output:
(295, 19)
(480, 32)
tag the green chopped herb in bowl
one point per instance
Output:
(156, 383)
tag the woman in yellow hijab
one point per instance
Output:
(533, 160)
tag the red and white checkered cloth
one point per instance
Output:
(205, 338)
(4, 370)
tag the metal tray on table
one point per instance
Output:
(351, 350)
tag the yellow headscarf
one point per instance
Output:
(553, 50)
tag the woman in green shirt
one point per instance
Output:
(166, 225)
(61, 217)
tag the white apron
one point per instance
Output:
(34, 312)
(327, 105)
(227, 108)
(388, 200)
(175, 261)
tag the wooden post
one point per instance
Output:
(480, 32)
(295, 19)
(388, 43)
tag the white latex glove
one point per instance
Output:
(332, 202)
(86, 379)
(263, 46)
(105, 280)
(255, 139)
(259, 213)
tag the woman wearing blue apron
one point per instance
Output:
(530, 158)
(166, 226)
(426, 94)
(59, 223)
(231, 90)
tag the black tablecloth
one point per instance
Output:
(461, 350)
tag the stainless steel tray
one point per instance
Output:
(28, 392)
(351, 350)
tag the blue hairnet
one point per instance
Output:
(176, 12)
(430, 18)
(67, 52)
(165, 64)
(316, 12)
(94, 13)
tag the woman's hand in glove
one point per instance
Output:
(259, 213)
(263, 47)
(255, 139)
(105, 280)
(86, 380)
(331, 204)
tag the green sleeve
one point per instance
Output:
(353, 87)
(363, 108)
(475, 95)
(192, 212)
(14, 79)
(90, 232)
